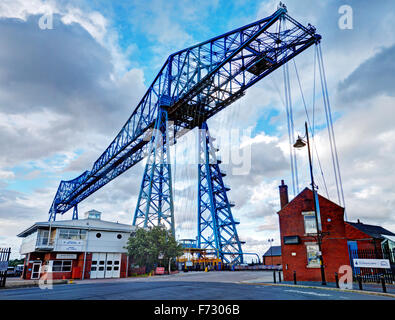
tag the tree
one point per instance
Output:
(15, 262)
(151, 246)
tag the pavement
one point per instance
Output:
(225, 285)
(367, 288)
(13, 282)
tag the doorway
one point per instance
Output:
(36, 270)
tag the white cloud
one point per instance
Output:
(5, 175)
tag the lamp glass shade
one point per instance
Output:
(299, 143)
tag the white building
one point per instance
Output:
(85, 248)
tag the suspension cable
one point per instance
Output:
(308, 121)
(328, 114)
(291, 138)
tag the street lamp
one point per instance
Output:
(300, 144)
(271, 252)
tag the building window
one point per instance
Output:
(72, 234)
(309, 222)
(119, 236)
(98, 235)
(313, 260)
(61, 265)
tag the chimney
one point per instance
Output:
(283, 194)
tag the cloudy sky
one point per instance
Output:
(65, 93)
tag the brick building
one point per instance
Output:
(366, 241)
(72, 247)
(272, 257)
(363, 236)
(299, 246)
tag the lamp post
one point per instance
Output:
(300, 144)
(271, 252)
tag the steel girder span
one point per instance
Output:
(193, 84)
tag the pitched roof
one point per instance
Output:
(86, 224)
(274, 251)
(307, 190)
(371, 230)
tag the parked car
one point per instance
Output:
(11, 272)
(19, 270)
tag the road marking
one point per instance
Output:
(309, 292)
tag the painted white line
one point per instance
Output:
(309, 292)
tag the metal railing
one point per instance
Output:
(4, 259)
(44, 243)
(373, 274)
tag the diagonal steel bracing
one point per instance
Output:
(155, 201)
(216, 227)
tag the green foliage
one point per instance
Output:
(15, 262)
(156, 245)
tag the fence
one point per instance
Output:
(258, 267)
(373, 274)
(4, 258)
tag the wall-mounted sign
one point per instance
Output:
(189, 263)
(291, 239)
(71, 249)
(71, 242)
(160, 270)
(66, 256)
(372, 263)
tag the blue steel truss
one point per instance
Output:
(216, 226)
(198, 82)
(155, 201)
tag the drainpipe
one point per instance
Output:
(127, 266)
(86, 244)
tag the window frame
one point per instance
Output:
(72, 234)
(307, 229)
(62, 265)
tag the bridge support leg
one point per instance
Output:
(216, 226)
(75, 212)
(52, 213)
(155, 201)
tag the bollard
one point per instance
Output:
(274, 276)
(383, 284)
(279, 276)
(294, 277)
(337, 280)
(359, 282)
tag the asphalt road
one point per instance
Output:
(190, 286)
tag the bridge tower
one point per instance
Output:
(216, 226)
(155, 201)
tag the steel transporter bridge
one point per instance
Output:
(193, 85)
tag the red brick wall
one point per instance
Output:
(124, 265)
(268, 260)
(334, 245)
(364, 241)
